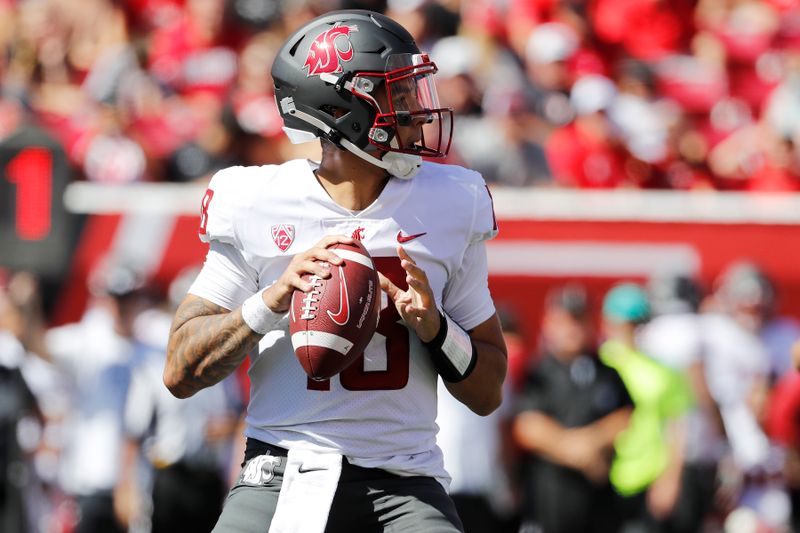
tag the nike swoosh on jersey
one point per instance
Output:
(407, 238)
(341, 316)
(302, 469)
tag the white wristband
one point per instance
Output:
(453, 353)
(258, 316)
(457, 346)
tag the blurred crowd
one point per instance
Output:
(681, 94)
(658, 406)
(671, 408)
(90, 439)
(674, 408)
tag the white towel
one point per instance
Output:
(309, 483)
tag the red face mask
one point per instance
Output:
(409, 117)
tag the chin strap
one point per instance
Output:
(403, 166)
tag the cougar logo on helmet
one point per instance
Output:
(329, 49)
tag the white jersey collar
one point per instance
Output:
(389, 198)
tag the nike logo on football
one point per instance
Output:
(408, 238)
(341, 316)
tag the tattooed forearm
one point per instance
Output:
(207, 342)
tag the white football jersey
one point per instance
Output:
(381, 411)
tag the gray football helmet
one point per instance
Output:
(369, 68)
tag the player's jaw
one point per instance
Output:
(409, 137)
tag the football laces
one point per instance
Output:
(311, 299)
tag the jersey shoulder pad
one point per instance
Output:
(229, 194)
(466, 189)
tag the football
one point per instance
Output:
(332, 324)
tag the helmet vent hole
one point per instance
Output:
(293, 50)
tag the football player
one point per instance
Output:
(357, 452)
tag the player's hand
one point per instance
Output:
(416, 305)
(315, 261)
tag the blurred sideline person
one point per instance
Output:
(42, 437)
(745, 292)
(186, 443)
(357, 452)
(97, 356)
(17, 406)
(675, 337)
(648, 465)
(16, 403)
(738, 374)
(571, 409)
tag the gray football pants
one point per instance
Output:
(367, 500)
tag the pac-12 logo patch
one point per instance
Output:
(283, 235)
(329, 49)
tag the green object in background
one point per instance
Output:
(659, 395)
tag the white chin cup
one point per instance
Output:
(403, 166)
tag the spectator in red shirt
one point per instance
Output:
(194, 53)
(645, 30)
(584, 153)
(757, 158)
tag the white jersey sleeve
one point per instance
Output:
(225, 279)
(466, 297)
(228, 205)
(218, 208)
